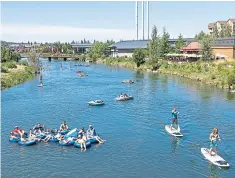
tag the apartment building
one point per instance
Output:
(220, 25)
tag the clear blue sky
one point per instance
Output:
(187, 18)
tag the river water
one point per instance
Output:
(136, 143)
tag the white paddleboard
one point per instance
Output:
(173, 132)
(216, 159)
(40, 85)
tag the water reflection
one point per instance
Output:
(213, 173)
(174, 144)
(230, 96)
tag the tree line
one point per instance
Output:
(159, 47)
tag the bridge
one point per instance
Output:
(53, 56)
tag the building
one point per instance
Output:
(126, 48)
(81, 47)
(224, 47)
(220, 25)
(192, 48)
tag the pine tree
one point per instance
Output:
(153, 47)
(179, 44)
(222, 32)
(206, 50)
(164, 43)
(228, 31)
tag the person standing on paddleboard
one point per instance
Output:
(40, 79)
(214, 138)
(174, 117)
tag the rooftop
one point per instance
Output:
(192, 46)
(222, 22)
(133, 44)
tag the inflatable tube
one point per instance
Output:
(53, 139)
(66, 144)
(63, 132)
(88, 144)
(40, 136)
(93, 140)
(27, 143)
(14, 139)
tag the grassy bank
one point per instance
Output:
(221, 74)
(15, 73)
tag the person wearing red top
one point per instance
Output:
(17, 130)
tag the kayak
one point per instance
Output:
(14, 139)
(173, 132)
(122, 98)
(78, 145)
(27, 143)
(96, 103)
(73, 133)
(214, 159)
(61, 143)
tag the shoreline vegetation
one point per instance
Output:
(16, 73)
(218, 73)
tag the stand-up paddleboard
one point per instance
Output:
(40, 85)
(214, 159)
(173, 132)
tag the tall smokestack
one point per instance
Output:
(143, 18)
(148, 18)
(136, 13)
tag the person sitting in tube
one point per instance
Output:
(82, 141)
(12, 135)
(19, 131)
(91, 133)
(63, 126)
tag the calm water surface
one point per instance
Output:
(137, 144)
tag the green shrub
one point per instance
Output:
(9, 65)
(24, 63)
(4, 69)
(231, 78)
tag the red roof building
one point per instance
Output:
(192, 48)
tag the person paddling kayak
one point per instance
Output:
(174, 117)
(214, 138)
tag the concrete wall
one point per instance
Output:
(227, 51)
(125, 52)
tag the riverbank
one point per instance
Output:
(15, 74)
(218, 73)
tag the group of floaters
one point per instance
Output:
(65, 136)
(209, 154)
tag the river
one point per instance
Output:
(137, 144)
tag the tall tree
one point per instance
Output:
(138, 56)
(200, 36)
(206, 50)
(153, 47)
(215, 32)
(179, 44)
(228, 30)
(164, 43)
(222, 31)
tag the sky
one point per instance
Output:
(67, 21)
